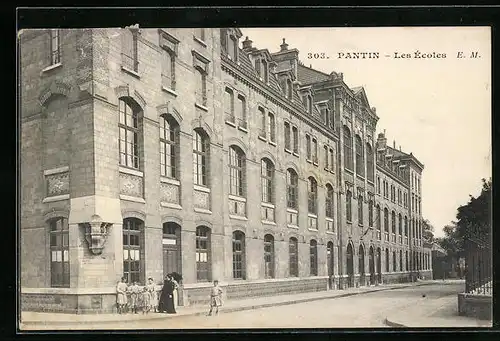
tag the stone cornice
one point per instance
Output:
(271, 95)
(392, 176)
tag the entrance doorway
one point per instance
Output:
(372, 265)
(350, 266)
(361, 265)
(171, 248)
(329, 259)
(379, 265)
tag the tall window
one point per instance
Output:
(348, 160)
(233, 48)
(294, 257)
(132, 249)
(393, 222)
(269, 256)
(263, 123)
(378, 185)
(370, 212)
(59, 252)
(313, 196)
(295, 132)
(169, 146)
(379, 214)
(289, 88)
(129, 135)
(200, 33)
(236, 171)
(55, 47)
(360, 210)
(386, 220)
(313, 252)
(288, 142)
(315, 150)
(241, 112)
(348, 205)
(394, 262)
(370, 171)
(258, 67)
(406, 226)
(329, 201)
(324, 116)
(229, 105)
(271, 127)
(265, 71)
(387, 260)
(201, 149)
(168, 69)
(203, 254)
(308, 147)
(267, 177)
(238, 255)
(400, 224)
(129, 49)
(360, 160)
(292, 184)
(400, 260)
(201, 87)
(406, 261)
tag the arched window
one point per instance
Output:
(360, 209)
(236, 171)
(348, 158)
(386, 260)
(370, 171)
(400, 260)
(129, 135)
(393, 222)
(379, 214)
(201, 150)
(406, 261)
(203, 250)
(370, 213)
(400, 224)
(386, 220)
(312, 196)
(267, 180)
(294, 257)
(313, 252)
(132, 249)
(348, 205)
(360, 159)
(329, 201)
(406, 226)
(238, 255)
(269, 256)
(169, 147)
(59, 252)
(394, 262)
(292, 186)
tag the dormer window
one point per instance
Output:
(308, 103)
(262, 68)
(232, 48)
(289, 88)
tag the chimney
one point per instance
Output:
(310, 66)
(247, 44)
(399, 147)
(381, 141)
(394, 144)
(283, 46)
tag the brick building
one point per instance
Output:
(148, 151)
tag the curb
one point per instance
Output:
(228, 310)
(394, 324)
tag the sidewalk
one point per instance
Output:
(30, 318)
(434, 313)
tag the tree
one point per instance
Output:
(427, 230)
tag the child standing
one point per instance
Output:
(134, 297)
(146, 300)
(121, 295)
(215, 298)
(151, 286)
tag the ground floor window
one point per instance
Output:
(203, 254)
(59, 252)
(294, 259)
(132, 229)
(238, 255)
(269, 256)
(313, 247)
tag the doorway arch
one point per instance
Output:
(371, 260)
(350, 265)
(379, 265)
(361, 265)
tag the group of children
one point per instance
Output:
(134, 298)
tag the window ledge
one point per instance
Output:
(170, 91)
(288, 151)
(238, 217)
(170, 205)
(330, 232)
(315, 163)
(327, 169)
(312, 215)
(267, 204)
(199, 41)
(332, 171)
(348, 221)
(293, 226)
(229, 123)
(52, 67)
(201, 188)
(134, 199)
(56, 198)
(311, 229)
(308, 160)
(243, 129)
(262, 138)
(272, 143)
(202, 210)
(291, 210)
(131, 72)
(56, 170)
(295, 154)
(329, 219)
(170, 181)
(200, 106)
(237, 198)
(131, 171)
(268, 222)
(349, 171)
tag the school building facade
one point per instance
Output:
(150, 151)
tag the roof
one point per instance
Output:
(307, 75)
(357, 89)
(396, 152)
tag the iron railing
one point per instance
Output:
(478, 260)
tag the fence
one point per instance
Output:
(478, 258)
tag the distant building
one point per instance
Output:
(149, 151)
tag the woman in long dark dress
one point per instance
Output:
(166, 303)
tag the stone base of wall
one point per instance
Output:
(199, 294)
(69, 303)
(477, 306)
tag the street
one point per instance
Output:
(366, 310)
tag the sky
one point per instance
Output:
(437, 108)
